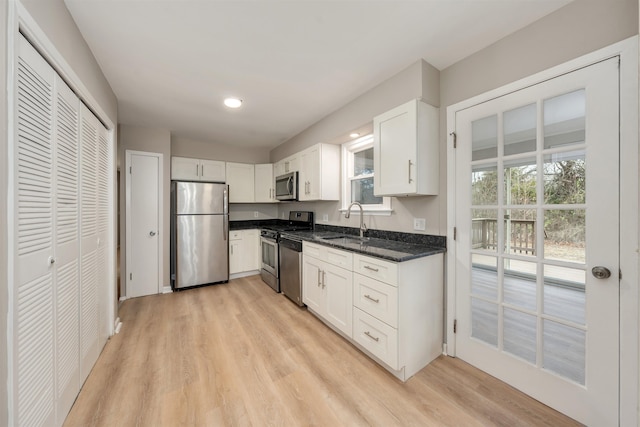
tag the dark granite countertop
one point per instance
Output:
(389, 245)
(392, 250)
(252, 224)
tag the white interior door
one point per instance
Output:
(143, 207)
(537, 254)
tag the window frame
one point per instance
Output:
(349, 149)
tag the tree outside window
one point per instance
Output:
(358, 173)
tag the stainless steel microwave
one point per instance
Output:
(287, 186)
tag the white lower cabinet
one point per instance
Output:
(376, 336)
(397, 308)
(244, 251)
(327, 286)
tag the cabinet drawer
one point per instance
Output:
(340, 258)
(376, 298)
(333, 256)
(311, 249)
(235, 235)
(375, 268)
(377, 337)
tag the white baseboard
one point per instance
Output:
(117, 326)
(167, 290)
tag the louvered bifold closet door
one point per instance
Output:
(105, 190)
(33, 294)
(89, 281)
(67, 243)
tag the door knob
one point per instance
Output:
(600, 272)
(152, 233)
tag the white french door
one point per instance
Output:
(537, 253)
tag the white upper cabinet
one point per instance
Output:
(406, 150)
(286, 165)
(212, 170)
(264, 184)
(241, 181)
(188, 169)
(319, 177)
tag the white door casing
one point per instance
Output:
(143, 223)
(601, 205)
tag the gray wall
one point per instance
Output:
(4, 295)
(55, 20)
(155, 141)
(576, 29)
(420, 80)
(581, 27)
(185, 147)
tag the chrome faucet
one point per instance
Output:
(363, 227)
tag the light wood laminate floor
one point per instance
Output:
(239, 354)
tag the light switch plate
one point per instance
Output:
(255, 214)
(419, 224)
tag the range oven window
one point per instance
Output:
(270, 256)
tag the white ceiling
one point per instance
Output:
(171, 62)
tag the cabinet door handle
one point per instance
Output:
(202, 169)
(323, 278)
(371, 268)
(376, 339)
(410, 180)
(197, 169)
(319, 271)
(372, 299)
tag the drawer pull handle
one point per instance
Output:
(372, 299)
(371, 268)
(376, 339)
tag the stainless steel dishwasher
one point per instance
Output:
(291, 268)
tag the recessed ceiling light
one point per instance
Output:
(354, 135)
(233, 102)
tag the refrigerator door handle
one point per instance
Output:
(225, 226)
(225, 201)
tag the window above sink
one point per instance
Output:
(358, 178)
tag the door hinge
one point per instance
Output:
(455, 325)
(129, 169)
(455, 139)
(620, 274)
(130, 276)
(455, 233)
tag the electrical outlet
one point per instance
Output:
(256, 214)
(282, 215)
(419, 224)
(325, 217)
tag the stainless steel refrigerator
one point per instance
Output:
(199, 233)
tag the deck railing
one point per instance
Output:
(523, 235)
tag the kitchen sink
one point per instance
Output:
(345, 239)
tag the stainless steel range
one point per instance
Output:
(269, 242)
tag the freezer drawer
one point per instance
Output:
(202, 250)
